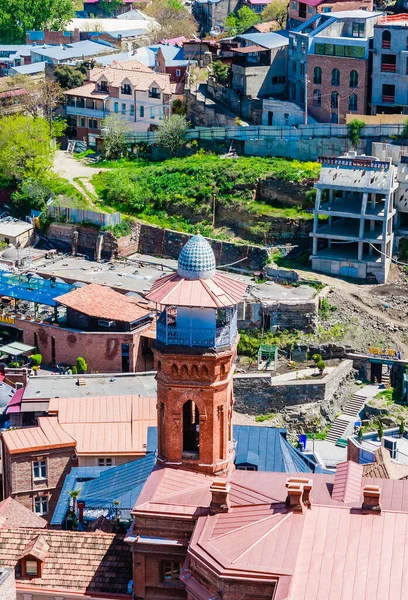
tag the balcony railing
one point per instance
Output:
(86, 112)
(386, 44)
(388, 99)
(198, 337)
(387, 68)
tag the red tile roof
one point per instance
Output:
(217, 292)
(103, 303)
(90, 563)
(14, 514)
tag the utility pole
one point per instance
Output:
(214, 206)
(306, 107)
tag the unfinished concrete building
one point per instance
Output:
(353, 217)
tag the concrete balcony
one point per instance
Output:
(352, 208)
(76, 111)
(349, 231)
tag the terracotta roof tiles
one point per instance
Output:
(14, 514)
(102, 302)
(90, 563)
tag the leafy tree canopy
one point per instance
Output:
(19, 16)
(26, 148)
(174, 20)
(68, 77)
(277, 11)
(220, 71)
(172, 134)
(237, 23)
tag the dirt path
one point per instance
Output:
(66, 166)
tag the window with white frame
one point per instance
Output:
(105, 462)
(40, 469)
(41, 505)
(152, 112)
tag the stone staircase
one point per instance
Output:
(355, 405)
(385, 376)
(351, 411)
(338, 428)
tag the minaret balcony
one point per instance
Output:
(217, 337)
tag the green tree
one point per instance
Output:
(68, 77)
(354, 130)
(380, 429)
(221, 71)
(172, 134)
(113, 130)
(81, 365)
(110, 7)
(173, 18)
(26, 148)
(237, 23)
(36, 359)
(19, 16)
(30, 193)
(277, 11)
(401, 429)
(73, 494)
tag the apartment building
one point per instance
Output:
(353, 218)
(129, 89)
(329, 64)
(259, 64)
(390, 66)
(299, 12)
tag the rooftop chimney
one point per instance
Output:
(219, 496)
(81, 508)
(371, 499)
(299, 493)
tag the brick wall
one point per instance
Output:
(102, 351)
(345, 66)
(18, 475)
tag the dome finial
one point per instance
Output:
(196, 260)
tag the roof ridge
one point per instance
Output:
(260, 539)
(216, 537)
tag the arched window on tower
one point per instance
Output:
(317, 76)
(191, 428)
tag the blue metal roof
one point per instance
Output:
(268, 449)
(100, 486)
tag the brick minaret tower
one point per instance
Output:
(195, 350)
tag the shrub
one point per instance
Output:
(401, 429)
(36, 359)
(321, 366)
(326, 308)
(354, 130)
(360, 433)
(380, 428)
(317, 358)
(81, 365)
(74, 370)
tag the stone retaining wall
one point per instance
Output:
(254, 394)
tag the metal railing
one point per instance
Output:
(260, 132)
(198, 337)
(78, 111)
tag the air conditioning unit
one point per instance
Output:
(391, 445)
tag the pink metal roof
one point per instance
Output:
(48, 434)
(331, 551)
(347, 482)
(345, 555)
(106, 424)
(14, 406)
(217, 292)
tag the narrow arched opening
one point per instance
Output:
(191, 429)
